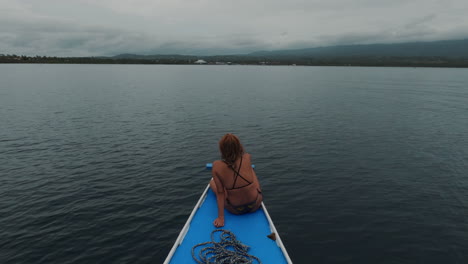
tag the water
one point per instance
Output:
(104, 163)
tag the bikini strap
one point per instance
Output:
(236, 174)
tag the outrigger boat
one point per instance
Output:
(252, 229)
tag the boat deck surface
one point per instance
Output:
(250, 229)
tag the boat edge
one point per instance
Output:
(279, 242)
(186, 227)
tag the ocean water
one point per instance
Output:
(104, 163)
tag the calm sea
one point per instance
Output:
(104, 163)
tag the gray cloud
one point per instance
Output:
(109, 27)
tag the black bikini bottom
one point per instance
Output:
(245, 208)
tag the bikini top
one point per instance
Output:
(237, 175)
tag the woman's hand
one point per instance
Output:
(219, 222)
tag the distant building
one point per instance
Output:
(200, 62)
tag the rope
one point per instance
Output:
(228, 251)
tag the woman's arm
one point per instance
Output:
(220, 197)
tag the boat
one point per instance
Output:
(253, 229)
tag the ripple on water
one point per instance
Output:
(357, 165)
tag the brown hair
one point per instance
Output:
(230, 147)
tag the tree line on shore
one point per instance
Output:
(249, 60)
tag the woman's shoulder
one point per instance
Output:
(218, 164)
(222, 163)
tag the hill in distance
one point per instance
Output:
(444, 48)
(447, 53)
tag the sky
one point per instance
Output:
(209, 27)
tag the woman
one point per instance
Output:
(234, 181)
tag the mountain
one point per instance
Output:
(446, 53)
(152, 57)
(444, 48)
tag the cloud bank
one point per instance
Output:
(110, 27)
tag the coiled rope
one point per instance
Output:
(228, 251)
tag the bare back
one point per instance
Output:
(239, 189)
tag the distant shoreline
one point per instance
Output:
(257, 65)
(352, 61)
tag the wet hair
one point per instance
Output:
(231, 149)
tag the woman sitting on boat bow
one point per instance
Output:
(234, 180)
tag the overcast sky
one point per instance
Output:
(110, 27)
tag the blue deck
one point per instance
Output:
(251, 229)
